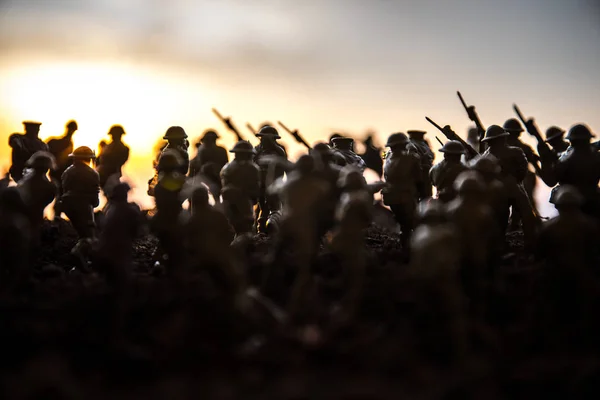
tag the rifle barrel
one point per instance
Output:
(434, 124)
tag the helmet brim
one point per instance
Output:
(487, 139)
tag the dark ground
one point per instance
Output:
(58, 341)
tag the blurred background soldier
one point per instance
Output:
(473, 137)
(344, 146)
(372, 156)
(443, 174)
(208, 162)
(426, 156)
(114, 155)
(268, 146)
(402, 172)
(176, 140)
(81, 186)
(327, 169)
(23, 147)
(497, 198)
(240, 179)
(60, 148)
(37, 191)
(555, 138)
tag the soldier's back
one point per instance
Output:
(80, 180)
(243, 175)
(581, 170)
(216, 155)
(37, 192)
(569, 242)
(444, 173)
(512, 161)
(60, 148)
(402, 171)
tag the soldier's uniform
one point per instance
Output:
(23, 147)
(60, 148)
(580, 167)
(176, 141)
(372, 156)
(37, 191)
(513, 169)
(402, 172)
(330, 172)
(81, 186)
(423, 150)
(443, 174)
(240, 179)
(497, 198)
(114, 155)
(555, 138)
(344, 147)
(267, 146)
(209, 161)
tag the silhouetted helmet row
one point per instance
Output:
(453, 147)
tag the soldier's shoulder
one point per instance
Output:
(514, 150)
(14, 136)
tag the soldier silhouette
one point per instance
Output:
(402, 172)
(37, 191)
(473, 137)
(240, 179)
(344, 147)
(426, 157)
(15, 237)
(60, 148)
(208, 162)
(372, 156)
(555, 138)
(513, 169)
(443, 174)
(176, 140)
(497, 198)
(23, 147)
(113, 156)
(81, 186)
(330, 172)
(268, 146)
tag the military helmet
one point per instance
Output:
(119, 191)
(334, 136)
(486, 165)
(41, 160)
(322, 148)
(31, 124)
(175, 132)
(169, 159)
(453, 147)
(494, 132)
(416, 133)
(579, 131)
(512, 125)
(305, 164)
(554, 132)
(210, 134)
(568, 196)
(72, 125)
(116, 130)
(83, 152)
(342, 140)
(351, 179)
(243, 146)
(268, 130)
(469, 182)
(396, 139)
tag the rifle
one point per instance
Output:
(439, 141)
(473, 116)
(228, 124)
(529, 125)
(296, 135)
(251, 128)
(451, 135)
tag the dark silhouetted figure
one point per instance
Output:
(60, 148)
(513, 169)
(37, 191)
(443, 174)
(177, 141)
(372, 156)
(473, 137)
(240, 179)
(15, 237)
(580, 168)
(168, 221)
(344, 147)
(497, 198)
(209, 161)
(114, 155)
(23, 147)
(268, 146)
(555, 138)
(426, 157)
(81, 186)
(327, 169)
(402, 172)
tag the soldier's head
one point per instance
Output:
(169, 160)
(268, 134)
(469, 184)
(41, 162)
(323, 152)
(452, 150)
(513, 127)
(473, 136)
(116, 132)
(343, 143)
(199, 197)
(32, 128)
(416, 135)
(488, 166)
(568, 198)
(397, 142)
(555, 138)
(580, 136)
(334, 136)
(495, 136)
(243, 150)
(71, 127)
(351, 179)
(209, 137)
(119, 192)
(82, 155)
(175, 135)
(305, 164)
(431, 213)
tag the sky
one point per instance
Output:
(319, 66)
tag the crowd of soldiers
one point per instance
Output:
(483, 188)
